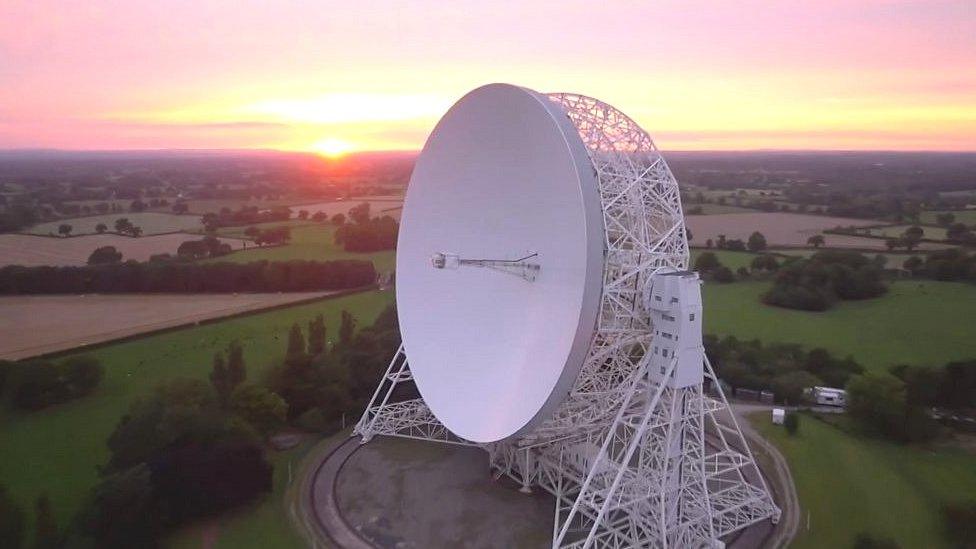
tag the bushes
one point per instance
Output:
(815, 284)
(178, 277)
(36, 384)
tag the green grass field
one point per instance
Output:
(851, 485)
(917, 322)
(308, 241)
(57, 451)
(962, 216)
(895, 231)
(150, 222)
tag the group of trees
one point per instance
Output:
(270, 237)
(322, 381)
(365, 233)
(959, 233)
(784, 369)
(899, 404)
(814, 284)
(39, 383)
(951, 264)
(190, 450)
(122, 226)
(188, 277)
(208, 246)
(245, 215)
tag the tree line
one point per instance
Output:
(186, 277)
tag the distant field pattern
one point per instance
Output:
(782, 229)
(150, 222)
(32, 251)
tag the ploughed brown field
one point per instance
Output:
(784, 229)
(34, 325)
(31, 251)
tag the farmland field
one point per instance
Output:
(962, 216)
(64, 445)
(313, 241)
(850, 485)
(917, 322)
(33, 325)
(150, 222)
(895, 231)
(782, 229)
(30, 250)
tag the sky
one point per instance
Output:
(369, 75)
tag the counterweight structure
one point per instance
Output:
(639, 454)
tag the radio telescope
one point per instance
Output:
(548, 317)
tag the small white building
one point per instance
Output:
(829, 396)
(779, 416)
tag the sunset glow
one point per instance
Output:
(869, 74)
(332, 148)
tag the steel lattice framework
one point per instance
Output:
(631, 460)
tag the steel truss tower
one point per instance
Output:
(639, 454)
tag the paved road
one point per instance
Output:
(789, 523)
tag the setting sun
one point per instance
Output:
(332, 148)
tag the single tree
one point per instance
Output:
(757, 242)
(816, 241)
(296, 345)
(914, 232)
(101, 228)
(303, 214)
(316, 336)
(45, 527)
(220, 379)
(346, 327)
(64, 229)
(236, 369)
(105, 255)
(913, 264)
(339, 220)
(945, 219)
(135, 231)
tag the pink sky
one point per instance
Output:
(828, 74)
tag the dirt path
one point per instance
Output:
(782, 479)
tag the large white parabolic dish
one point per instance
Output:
(504, 174)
